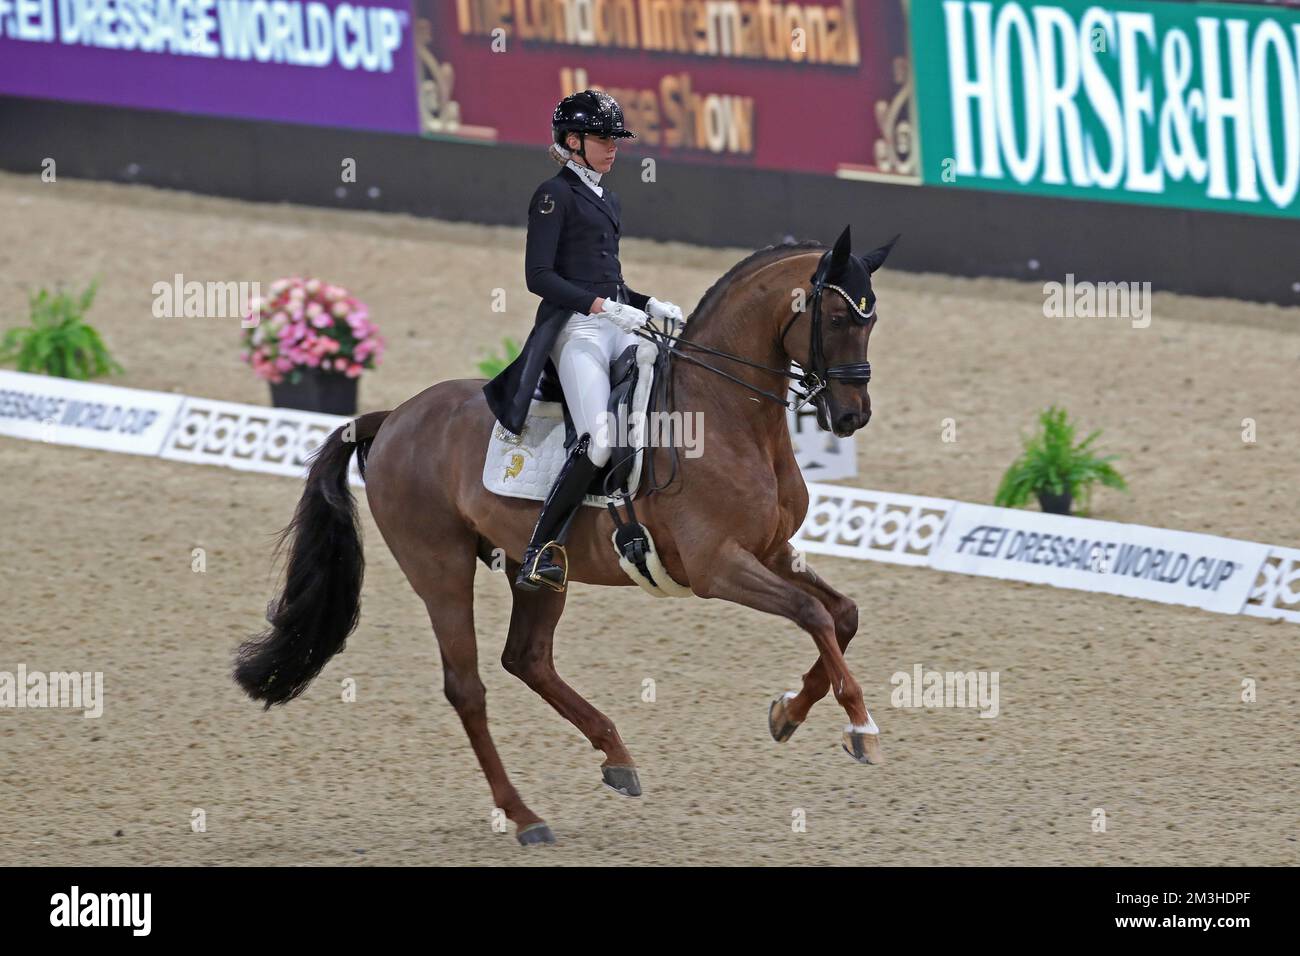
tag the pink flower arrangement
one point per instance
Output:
(307, 323)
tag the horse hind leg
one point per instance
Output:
(448, 593)
(527, 655)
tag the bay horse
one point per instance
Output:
(722, 526)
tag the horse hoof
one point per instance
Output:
(534, 834)
(778, 718)
(622, 780)
(863, 747)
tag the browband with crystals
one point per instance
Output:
(859, 310)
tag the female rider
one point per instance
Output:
(587, 315)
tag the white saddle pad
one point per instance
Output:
(526, 465)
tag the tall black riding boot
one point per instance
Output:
(561, 505)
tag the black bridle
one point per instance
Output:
(817, 378)
(808, 383)
(812, 380)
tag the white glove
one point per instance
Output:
(626, 317)
(664, 310)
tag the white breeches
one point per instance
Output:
(581, 354)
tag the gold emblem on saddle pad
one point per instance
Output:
(515, 467)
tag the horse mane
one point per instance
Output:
(768, 254)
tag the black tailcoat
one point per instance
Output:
(570, 261)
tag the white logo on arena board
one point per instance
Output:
(57, 689)
(923, 688)
(207, 300)
(133, 910)
(311, 35)
(1098, 300)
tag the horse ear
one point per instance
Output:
(875, 259)
(841, 252)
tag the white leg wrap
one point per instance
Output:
(868, 728)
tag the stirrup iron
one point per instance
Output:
(562, 564)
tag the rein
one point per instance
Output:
(812, 381)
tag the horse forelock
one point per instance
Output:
(708, 304)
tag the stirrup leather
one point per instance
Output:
(563, 565)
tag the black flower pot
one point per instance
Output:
(316, 391)
(1055, 504)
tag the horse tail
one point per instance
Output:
(320, 603)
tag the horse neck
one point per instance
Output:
(746, 322)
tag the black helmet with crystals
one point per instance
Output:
(590, 111)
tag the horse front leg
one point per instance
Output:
(736, 575)
(790, 709)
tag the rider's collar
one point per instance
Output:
(589, 175)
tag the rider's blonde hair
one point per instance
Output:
(559, 153)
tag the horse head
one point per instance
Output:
(832, 346)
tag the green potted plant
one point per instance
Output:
(1056, 470)
(58, 341)
(311, 341)
(493, 365)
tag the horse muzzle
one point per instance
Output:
(846, 423)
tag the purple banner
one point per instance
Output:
(322, 62)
